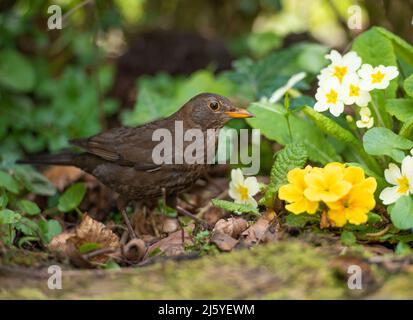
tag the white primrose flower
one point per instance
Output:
(340, 67)
(402, 181)
(366, 121)
(329, 96)
(242, 190)
(376, 77)
(352, 92)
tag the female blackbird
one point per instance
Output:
(122, 158)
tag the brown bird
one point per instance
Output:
(122, 158)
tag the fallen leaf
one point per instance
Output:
(62, 176)
(171, 245)
(232, 227)
(169, 225)
(223, 241)
(255, 233)
(88, 231)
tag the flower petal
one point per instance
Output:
(389, 195)
(392, 174)
(253, 186)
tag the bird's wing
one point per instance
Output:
(124, 146)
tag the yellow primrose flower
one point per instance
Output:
(294, 192)
(355, 205)
(326, 184)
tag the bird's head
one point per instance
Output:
(209, 110)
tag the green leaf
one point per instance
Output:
(294, 155)
(111, 265)
(375, 48)
(28, 207)
(348, 238)
(72, 197)
(89, 246)
(8, 182)
(408, 86)
(270, 119)
(402, 109)
(34, 181)
(382, 141)
(374, 218)
(403, 248)
(234, 207)
(346, 137)
(403, 49)
(299, 220)
(4, 199)
(49, 229)
(16, 71)
(9, 217)
(401, 213)
(27, 227)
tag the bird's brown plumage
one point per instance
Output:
(121, 158)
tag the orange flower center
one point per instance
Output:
(403, 183)
(340, 72)
(354, 91)
(243, 191)
(377, 77)
(332, 96)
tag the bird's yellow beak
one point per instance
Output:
(239, 113)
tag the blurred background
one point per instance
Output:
(131, 61)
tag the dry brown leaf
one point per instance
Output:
(232, 227)
(223, 241)
(62, 176)
(255, 233)
(171, 245)
(88, 231)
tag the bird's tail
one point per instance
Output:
(63, 159)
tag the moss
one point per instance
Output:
(289, 270)
(399, 286)
(24, 293)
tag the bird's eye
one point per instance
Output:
(214, 106)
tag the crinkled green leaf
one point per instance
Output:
(8, 216)
(234, 207)
(72, 197)
(27, 227)
(294, 155)
(401, 213)
(382, 141)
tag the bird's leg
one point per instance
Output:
(122, 205)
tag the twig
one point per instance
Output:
(98, 252)
(128, 224)
(205, 208)
(380, 233)
(188, 214)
